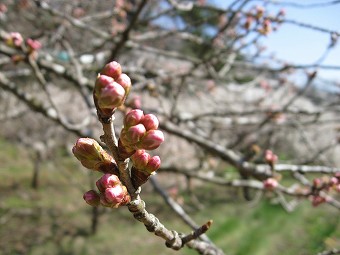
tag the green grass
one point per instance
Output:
(54, 219)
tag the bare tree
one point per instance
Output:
(217, 105)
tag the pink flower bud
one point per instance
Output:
(259, 11)
(152, 140)
(108, 181)
(103, 200)
(33, 44)
(270, 183)
(150, 122)
(337, 188)
(135, 133)
(125, 82)
(317, 183)
(282, 12)
(266, 27)
(112, 69)
(117, 196)
(270, 157)
(109, 94)
(100, 186)
(114, 194)
(153, 164)
(133, 118)
(3, 8)
(14, 39)
(103, 81)
(88, 152)
(140, 159)
(135, 102)
(92, 198)
(317, 200)
(334, 181)
(248, 23)
(91, 155)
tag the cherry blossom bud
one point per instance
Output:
(270, 183)
(117, 196)
(259, 11)
(248, 23)
(103, 200)
(88, 152)
(33, 44)
(266, 27)
(135, 133)
(337, 188)
(100, 186)
(3, 8)
(317, 183)
(92, 198)
(150, 122)
(103, 81)
(108, 93)
(91, 155)
(135, 102)
(334, 181)
(125, 82)
(270, 157)
(317, 200)
(14, 39)
(140, 159)
(153, 164)
(108, 181)
(112, 69)
(133, 118)
(112, 192)
(282, 12)
(152, 140)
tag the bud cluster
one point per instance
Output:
(256, 19)
(92, 156)
(112, 193)
(317, 200)
(259, 11)
(326, 184)
(266, 27)
(270, 183)
(33, 45)
(14, 39)
(140, 132)
(111, 89)
(270, 158)
(143, 167)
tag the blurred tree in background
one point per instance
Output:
(251, 141)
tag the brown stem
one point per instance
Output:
(173, 239)
(110, 140)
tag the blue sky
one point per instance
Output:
(299, 45)
(304, 46)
